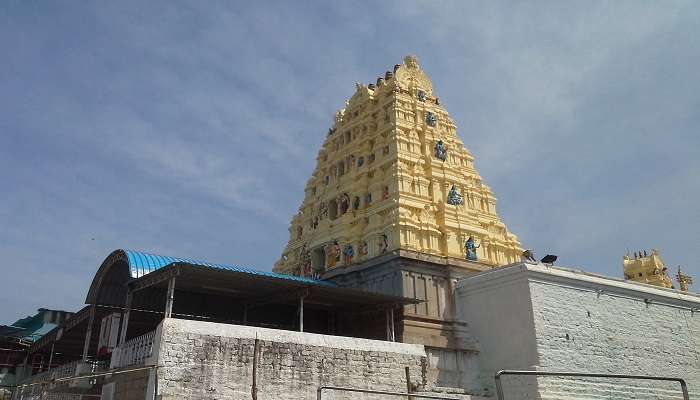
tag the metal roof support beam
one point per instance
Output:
(154, 278)
(301, 314)
(390, 331)
(125, 317)
(170, 297)
(88, 333)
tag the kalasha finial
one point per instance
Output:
(411, 62)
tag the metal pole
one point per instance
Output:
(170, 298)
(388, 325)
(51, 357)
(125, 317)
(301, 314)
(499, 388)
(155, 384)
(391, 319)
(254, 387)
(386, 393)
(88, 334)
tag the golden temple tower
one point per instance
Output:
(393, 174)
(644, 268)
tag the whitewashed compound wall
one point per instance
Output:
(536, 317)
(202, 360)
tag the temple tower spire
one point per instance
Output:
(393, 174)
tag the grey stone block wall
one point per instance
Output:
(203, 360)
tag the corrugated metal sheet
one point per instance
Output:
(141, 263)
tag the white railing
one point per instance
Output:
(133, 352)
(65, 370)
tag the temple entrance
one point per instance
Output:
(318, 259)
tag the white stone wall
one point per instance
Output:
(535, 317)
(202, 360)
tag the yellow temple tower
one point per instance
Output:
(393, 174)
(644, 268)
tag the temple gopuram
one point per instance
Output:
(392, 174)
(648, 268)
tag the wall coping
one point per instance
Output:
(283, 336)
(576, 279)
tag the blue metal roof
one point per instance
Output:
(141, 264)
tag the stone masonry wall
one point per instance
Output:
(586, 330)
(202, 360)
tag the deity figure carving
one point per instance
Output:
(304, 261)
(454, 198)
(300, 231)
(385, 193)
(421, 95)
(356, 203)
(411, 62)
(323, 209)
(470, 247)
(344, 203)
(363, 248)
(383, 244)
(314, 223)
(348, 254)
(430, 119)
(441, 150)
(385, 150)
(332, 254)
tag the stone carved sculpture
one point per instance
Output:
(363, 248)
(348, 254)
(332, 254)
(470, 247)
(430, 119)
(304, 261)
(383, 244)
(421, 95)
(454, 198)
(411, 62)
(441, 150)
(344, 203)
(356, 203)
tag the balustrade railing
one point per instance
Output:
(133, 352)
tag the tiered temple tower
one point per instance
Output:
(391, 175)
(644, 268)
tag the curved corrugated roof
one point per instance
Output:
(141, 263)
(122, 266)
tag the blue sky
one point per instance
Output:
(190, 128)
